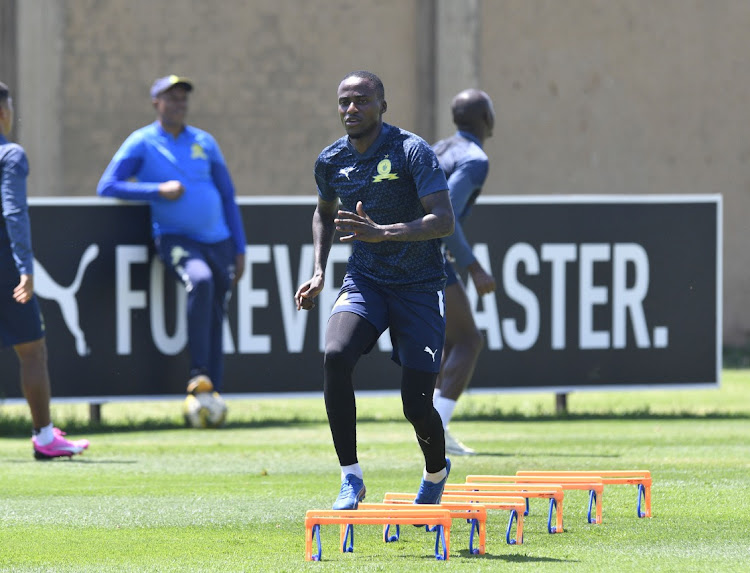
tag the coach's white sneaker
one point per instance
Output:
(453, 446)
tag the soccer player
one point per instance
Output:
(180, 170)
(21, 324)
(466, 166)
(394, 209)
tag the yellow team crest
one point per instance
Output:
(196, 152)
(384, 171)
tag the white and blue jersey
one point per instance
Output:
(466, 166)
(390, 178)
(206, 212)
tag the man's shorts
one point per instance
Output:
(19, 323)
(451, 273)
(416, 319)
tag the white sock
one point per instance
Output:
(445, 407)
(437, 477)
(435, 395)
(352, 469)
(44, 436)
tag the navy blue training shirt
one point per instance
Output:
(15, 228)
(393, 174)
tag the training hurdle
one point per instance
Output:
(515, 505)
(593, 484)
(435, 516)
(639, 478)
(554, 493)
(474, 513)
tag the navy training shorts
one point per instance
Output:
(19, 323)
(416, 319)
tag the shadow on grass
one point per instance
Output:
(18, 426)
(72, 460)
(511, 558)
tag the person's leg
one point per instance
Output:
(32, 358)
(416, 397)
(416, 387)
(348, 336)
(48, 441)
(185, 261)
(463, 343)
(222, 261)
(417, 322)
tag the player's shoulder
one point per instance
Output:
(144, 133)
(199, 134)
(404, 136)
(335, 150)
(412, 144)
(13, 153)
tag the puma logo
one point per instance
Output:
(65, 296)
(347, 170)
(431, 352)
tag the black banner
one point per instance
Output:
(594, 292)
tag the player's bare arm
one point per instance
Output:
(323, 230)
(438, 222)
(483, 282)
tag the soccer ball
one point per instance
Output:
(204, 410)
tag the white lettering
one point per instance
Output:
(591, 296)
(521, 253)
(249, 298)
(626, 299)
(127, 299)
(487, 319)
(329, 294)
(294, 322)
(559, 256)
(165, 343)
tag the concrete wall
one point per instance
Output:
(593, 96)
(637, 96)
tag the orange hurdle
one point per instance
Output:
(418, 515)
(554, 493)
(516, 506)
(593, 484)
(474, 513)
(640, 478)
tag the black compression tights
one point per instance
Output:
(348, 337)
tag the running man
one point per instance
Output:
(466, 166)
(394, 209)
(21, 324)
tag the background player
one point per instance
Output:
(466, 166)
(21, 324)
(180, 170)
(395, 207)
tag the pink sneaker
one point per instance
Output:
(59, 446)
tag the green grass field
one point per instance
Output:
(152, 496)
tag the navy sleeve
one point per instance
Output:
(15, 170)
(464, 182)
(425, 169)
